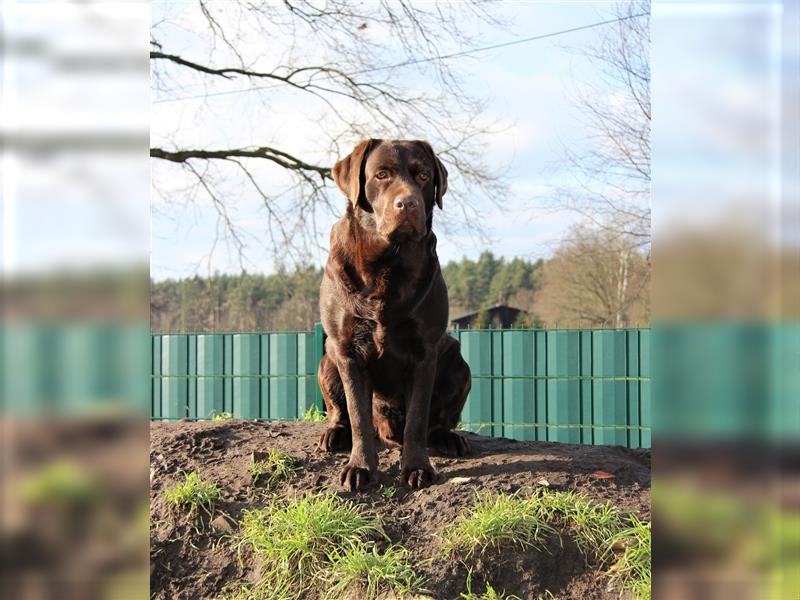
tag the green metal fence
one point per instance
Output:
(72, 369)
(580, 386)
(249, 375)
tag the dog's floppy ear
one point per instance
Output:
(348, 173)
(439, 175)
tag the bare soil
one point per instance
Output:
(188, 561)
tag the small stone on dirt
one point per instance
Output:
(543, 482)
(458, 480)
(221, 525)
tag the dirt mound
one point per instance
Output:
(191, 560)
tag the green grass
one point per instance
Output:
(277, 466)
(314, 415)
(193, 495)
(495, 521)
(387, 491)
(60, 483)
(300, 533)
(362, 571)
(632, 572)
(598, 528)
(592, 525)
(489, 594)
(324, 544)
(531, 521)
(297, 541)
(221, 416)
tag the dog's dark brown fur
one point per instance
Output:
(389, 366)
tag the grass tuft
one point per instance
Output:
(60, 483)
(276, 466)
(387, 491)
(313, 415)
(632, 571)
(489, 594)
(363, 572)
(221, 416)
(591, 524)
(497, 520)
(530, 522)
(193, 495)
(295, 541)
(322, 540)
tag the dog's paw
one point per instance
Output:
(354, 478)
(419, 477)
(448, 443)
(336, 439)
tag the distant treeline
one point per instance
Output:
(289, 301)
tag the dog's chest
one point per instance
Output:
(392, 292)
(398, 343)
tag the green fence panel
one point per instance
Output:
(645, 391)
(319, 350)
(264, 381)
(307, 369)
(133, 385)
(632, 390)
(518, 397)
(586, 396)
(476, 348)
(155, 385)
(210, 371)
(609, 387)
(100, 350)
(85, 356)
(227, 383)
(497, 385)
(784, 418)
(175, 369)
(283, 372)
(192, 380)
(246, 364)
(540, 383)
(48, 343)
(43, 366)
(563, 386)
(23, 389)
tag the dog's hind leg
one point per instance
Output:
(338, 435)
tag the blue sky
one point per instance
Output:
(528, 88)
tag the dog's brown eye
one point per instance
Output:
(423, 176)
(382, 174)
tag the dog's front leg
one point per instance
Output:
(362, 467)
(415, 464)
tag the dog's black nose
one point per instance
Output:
(409, 202)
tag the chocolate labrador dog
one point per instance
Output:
(390, 367)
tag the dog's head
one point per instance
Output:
(396, 182)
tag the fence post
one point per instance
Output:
(319, 350)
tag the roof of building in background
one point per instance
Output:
(488, 309)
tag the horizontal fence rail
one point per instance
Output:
(576, 386)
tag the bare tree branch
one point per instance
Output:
(283, 159)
